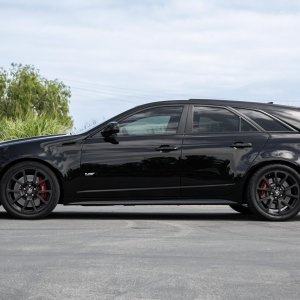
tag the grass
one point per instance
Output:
(31, 126)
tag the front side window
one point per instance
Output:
(214, 119)
(155, 121)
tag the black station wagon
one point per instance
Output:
(241, 154)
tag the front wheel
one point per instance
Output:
(273, 193)
(29, 190)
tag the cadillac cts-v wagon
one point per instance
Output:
(242, 154)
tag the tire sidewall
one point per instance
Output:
(55, 190)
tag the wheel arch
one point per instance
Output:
(262, 164)
(32, 159)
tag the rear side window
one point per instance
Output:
(246, 126)
(216, 119)
(263, 120)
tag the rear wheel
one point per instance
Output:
(273, 193)
(29, 190)
(241, 209)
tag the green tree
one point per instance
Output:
(25, 96)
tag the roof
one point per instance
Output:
(244, 104)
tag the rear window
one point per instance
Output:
(263, 120)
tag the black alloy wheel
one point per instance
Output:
(273, 192)
(241, 209)
(29, 190)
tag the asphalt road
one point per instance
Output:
(196, 252)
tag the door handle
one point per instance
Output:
(241, 145)
(166, 148)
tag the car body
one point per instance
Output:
(168, 152)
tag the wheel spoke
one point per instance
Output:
(286, 203)
(43, 180)
(264, 189)
(18, 181)
(33, 205)
(279, 205)
(14, 191)
(264, 198)
(291, 195)
(17, 199)
(35, 176)
(24, 176)
(276, 178)
(25, 205)
(283, 179)
(290, 187)
(42, 199)
(270, 203)
(45, 191)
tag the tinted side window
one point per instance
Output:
(246, 126)
(154, 121)
(214, 119)
(263, 120)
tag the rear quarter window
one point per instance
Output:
(263, 120)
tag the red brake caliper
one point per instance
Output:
(263, 185)
(43, 187)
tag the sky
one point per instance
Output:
(117, 54)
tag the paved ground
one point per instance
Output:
(145, 252)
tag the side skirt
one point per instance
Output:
(155, 202)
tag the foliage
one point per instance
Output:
(31, 105)
(32, 126)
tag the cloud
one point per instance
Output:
(116, 54)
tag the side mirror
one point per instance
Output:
(110, 129)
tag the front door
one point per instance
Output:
(141, 163)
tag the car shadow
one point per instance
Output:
(207, 216)
(178, 216)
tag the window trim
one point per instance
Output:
(189, 126)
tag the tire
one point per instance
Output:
(244, 210)
(29, 190)
(273, 193)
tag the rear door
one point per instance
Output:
(219, 146)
